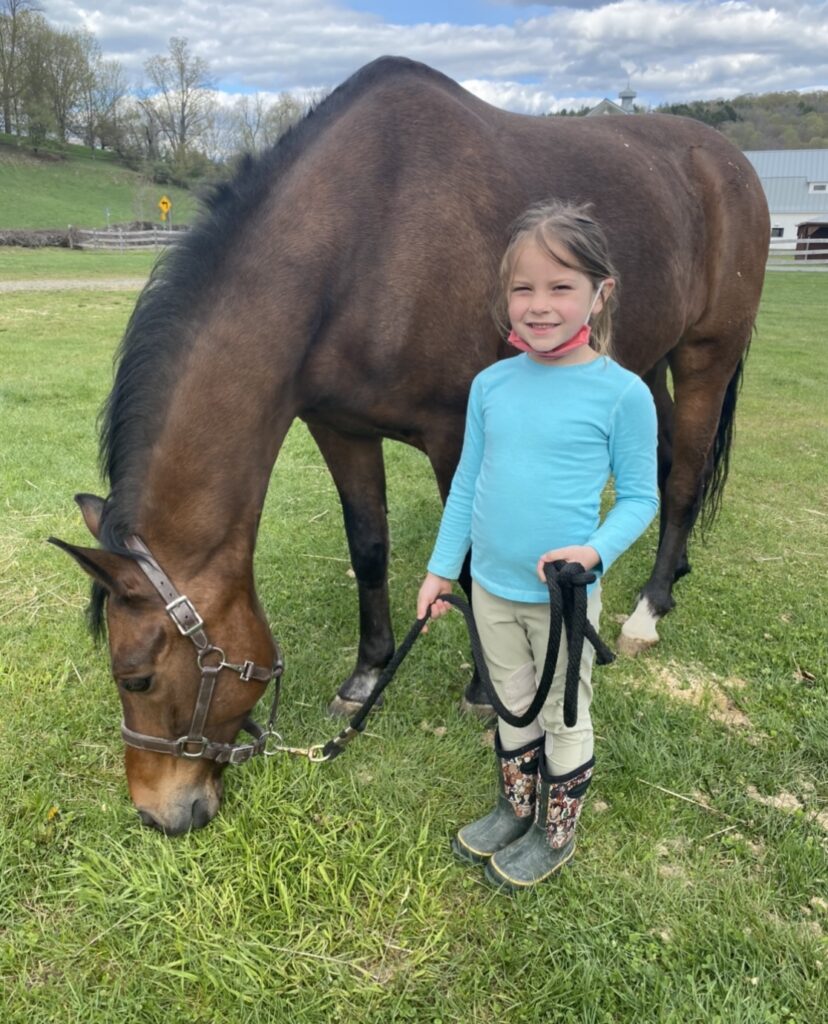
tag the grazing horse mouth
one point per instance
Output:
(185, 819)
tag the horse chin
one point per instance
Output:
(639, 631)
(181, 817)
(182, 808)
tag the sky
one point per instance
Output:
(527, 57)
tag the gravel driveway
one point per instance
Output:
(96, 284)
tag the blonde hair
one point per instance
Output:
(559, 228)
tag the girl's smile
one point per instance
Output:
(550, 302)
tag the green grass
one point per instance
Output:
(19, 264)
(329, 893)
(55, 190)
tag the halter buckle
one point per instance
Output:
(184, 601)
(183, 741)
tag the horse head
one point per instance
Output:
(172, 680)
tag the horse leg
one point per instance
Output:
(656, 380)
(357, 468)
(705, 385)
(443, 453)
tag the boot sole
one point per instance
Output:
(498, 880)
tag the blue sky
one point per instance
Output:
(531, 58)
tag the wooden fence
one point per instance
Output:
(792, 254)
(118, 239)
(798, 254)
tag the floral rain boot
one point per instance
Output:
(513, 811)
(550, 841)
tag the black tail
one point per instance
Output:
(714, 484)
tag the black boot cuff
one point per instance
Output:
(507, 755)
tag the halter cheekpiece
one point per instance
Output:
(211, 661)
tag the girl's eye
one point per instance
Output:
(138, 685)
(520, 288)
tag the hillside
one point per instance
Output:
(53, 190)
(772, 120)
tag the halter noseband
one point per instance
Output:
(189, 623)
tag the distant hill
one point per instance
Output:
(771, 120)
(78, 186)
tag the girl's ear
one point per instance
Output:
(605, 289)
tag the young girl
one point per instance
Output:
(544, 431)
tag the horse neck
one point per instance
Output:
(209, 467)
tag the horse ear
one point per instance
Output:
(91, 507)
(117, 574)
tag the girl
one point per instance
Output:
(543, 432)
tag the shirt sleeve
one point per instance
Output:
(454, 536)
(633, 443)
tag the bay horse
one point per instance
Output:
(345, 277)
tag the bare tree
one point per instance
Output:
(181, 96)
(12, 28)
(101, 112)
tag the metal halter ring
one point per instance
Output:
(210, 650)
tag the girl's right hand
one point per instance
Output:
(430, 590)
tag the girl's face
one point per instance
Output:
(549, 303)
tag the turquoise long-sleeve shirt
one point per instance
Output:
(540, 444)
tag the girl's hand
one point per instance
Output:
(430, 590)
(587, 556)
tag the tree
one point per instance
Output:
(13, 17)
(102, 109)
(181, 101)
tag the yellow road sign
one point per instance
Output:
(164, 204)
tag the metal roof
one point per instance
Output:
(791, 195)
(811, 164)
(785, 175)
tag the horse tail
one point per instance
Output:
(714, 484)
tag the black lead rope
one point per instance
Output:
(567, 583)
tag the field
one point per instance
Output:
(324, 893)
(77, 187)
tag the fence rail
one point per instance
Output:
(798, 254)
(117, 238)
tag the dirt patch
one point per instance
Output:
(789, 803)
(708, 693)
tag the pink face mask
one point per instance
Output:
(576, 341)
(581, 337)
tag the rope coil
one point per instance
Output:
(567, 583)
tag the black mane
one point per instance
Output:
(162, 323)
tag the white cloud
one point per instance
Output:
(543, 56)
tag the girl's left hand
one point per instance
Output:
(587, 556)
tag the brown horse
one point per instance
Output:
(345, 277)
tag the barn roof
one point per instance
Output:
(811, 164)
(786, 175)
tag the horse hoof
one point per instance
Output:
(639, 631)
(484, 712)
(632, 646)
(341, 707)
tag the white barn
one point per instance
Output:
(796, 186)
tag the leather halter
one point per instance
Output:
(189, 623)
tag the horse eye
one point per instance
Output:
(135, 685)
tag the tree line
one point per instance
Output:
(56, 85)
(770, 120)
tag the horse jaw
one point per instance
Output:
(639, 631)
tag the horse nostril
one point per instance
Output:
(201, 813)
(148, 820)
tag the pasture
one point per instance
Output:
(78, 186)
(319, 893)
